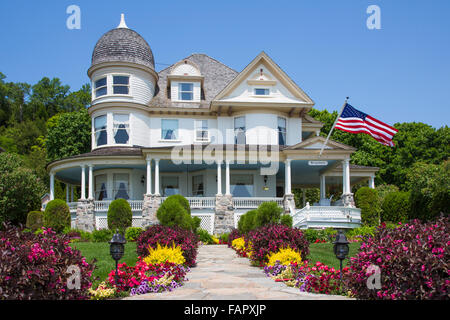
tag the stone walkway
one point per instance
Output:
(221, 275)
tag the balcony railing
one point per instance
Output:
(99, 206)
(327, 216)
(252, 203)
(199, 202)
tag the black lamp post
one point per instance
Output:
(116, 249)
(341, 248)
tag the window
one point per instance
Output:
(186, 91)
(201, 130)
(241, 185)
(100, 187)
(169, 129)
(121, 128)
(239, 130)
(121, 84)
(262, 92)
(197, 186)
(100, 87)
(121, 186)
(170, 186)
(281, 131)
(101, 137)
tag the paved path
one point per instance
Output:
(222, 275)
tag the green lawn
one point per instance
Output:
(322, 252)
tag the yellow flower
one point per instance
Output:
(216, 241)
(172, 254)
(102, 292)
(238, 243)
(285, 257)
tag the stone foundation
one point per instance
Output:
(85, 215)
(348, 200)
(288, 201)
(224, 214)
(149, 207)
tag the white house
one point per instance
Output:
(226, 140)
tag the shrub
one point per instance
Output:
(320, 235)
(284, 256)
(102, 235)
(195, 223)
(360, 233)
(367, 200)
(396, 207)
(164, 254)
(35, 220)
(120, 215)
(247, 221)
(413, 261)
(78, 235)
(172, 213)
(224, 237)
(132, 233)
(268, 212)
(204, 236)
(234, 234)
(286, 219)
(273, 237)
(57, 215)
(34, 267)
(182, 201)
(164, 235)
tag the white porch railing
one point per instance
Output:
(199, 202)
(102, 206)
(327, 216)
(252, 202)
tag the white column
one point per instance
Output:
(91, 182)
(67, 192)
(323, 192)
(149, 176)
(346, 176)
(52, 185)
(219, 178)
(157, 176)
(83, 183)
(287, 178)
(227, 177)
(372, 182)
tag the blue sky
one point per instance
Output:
(400, 73)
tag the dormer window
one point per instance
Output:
(100, 87)
(186, 91)
(262, 92)
(121, 84)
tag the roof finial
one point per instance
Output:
(122, 23)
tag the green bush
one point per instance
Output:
(195, 223)
(57, 215)
(224, 237)
(396, 207)
(286, 219)
(204, 236)
(247, 221)
(367, 200)
(362, 231)
(35, 220)
(312, 235)
(119, 215)
(102, 235)
(172, 213)
(183, 201)
(268, 212)
(132, 233)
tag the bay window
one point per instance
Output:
(100, 87)
(121, 128)
(121, 84)
(101, 136)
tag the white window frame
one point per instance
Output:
(263, 95)
(120, 85)
(245, 129)
(115, 191)
(101, 87)
(180, 92)
(127, 128)
(95, 130)
(285, 130)
(198, 128)
(177, 136)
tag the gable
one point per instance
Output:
(262, 73)
(316, 143)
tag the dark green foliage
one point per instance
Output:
(35, 220)
(102, 235)
(195, 223)
(132, 233)
(268, 212)
(320, 235)
(57, 215)
(183, 201)
(119, 215)
(172, 212)
(204, 236)
(286, 219)
(396, 207)
(20, 190)
(367, 200)
(247, 221)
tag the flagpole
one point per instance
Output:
(329, 133)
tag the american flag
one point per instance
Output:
(355, 121)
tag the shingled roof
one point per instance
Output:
(216, 77)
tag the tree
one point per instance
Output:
(68, 134)
(367, 200)
(20, 189)
(396, 207)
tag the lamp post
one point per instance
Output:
(117, 249)
(341, 249)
